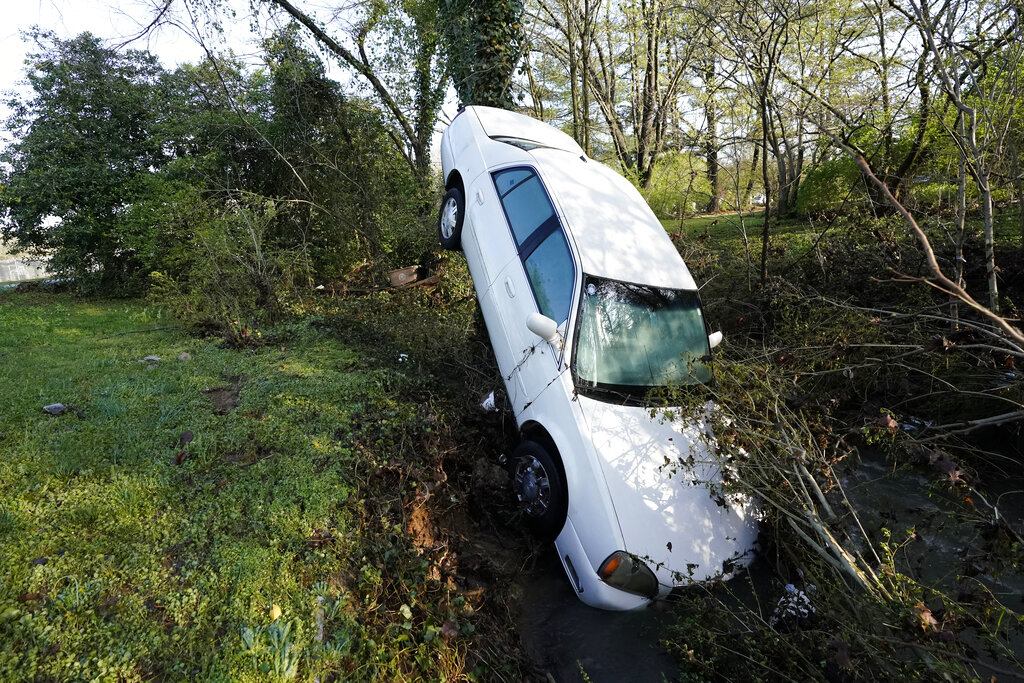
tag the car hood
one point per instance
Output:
(658, 474)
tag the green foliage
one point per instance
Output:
(351, 197)
(484, 41)
(235, 187)
(678, 186)
(829, 188)
(227, 274)
(84, 148)
(829, 389)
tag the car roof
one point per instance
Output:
(615, 232)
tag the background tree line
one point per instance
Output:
(783, 108)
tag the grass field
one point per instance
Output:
(218, 514)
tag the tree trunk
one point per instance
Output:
(1018, 185)
(753, 174)
(574, 95)
(711, 137)
(990, 244)
(766, 229)
(961, 223)
(645, 143)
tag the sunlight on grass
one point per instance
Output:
(131, 553)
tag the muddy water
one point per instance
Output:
(948, 550)
(945, 538)
(574, 642)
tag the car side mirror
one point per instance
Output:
(714, 339)
(543, 326)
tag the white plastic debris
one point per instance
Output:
(403, 358)
(914, 424)
(794, 605)
(489, 404)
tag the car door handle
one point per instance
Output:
(509, 288)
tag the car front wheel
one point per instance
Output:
(449, 221)
(538, 485)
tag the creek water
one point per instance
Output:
(940, 545)
(574, 642)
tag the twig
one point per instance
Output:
(971, 425)
(152, 329)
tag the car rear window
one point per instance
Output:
(526, 203)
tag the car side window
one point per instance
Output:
(526, 205)
(506, 180)
(550, 271)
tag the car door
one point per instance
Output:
(486, 240)
(542, 279)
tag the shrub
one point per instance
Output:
(678, 185)
(224, 273)
(830, 188)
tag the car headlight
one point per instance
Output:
(628, 573)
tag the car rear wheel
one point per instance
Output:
(449, 221)
(539, 487)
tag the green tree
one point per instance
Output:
(393, 48)
(83, 150)
(484, 42)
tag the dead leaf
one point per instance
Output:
(940, 344)
(221, 484)
(275, 612)
(950, 469)
(841, 657)
(449, 631)
(186, 437)
(180, 457)
(887, 422)
(924, 616)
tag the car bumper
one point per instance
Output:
(584, 579)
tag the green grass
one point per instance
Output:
(119, 564)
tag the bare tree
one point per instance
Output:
(631, 63)
(977, 66)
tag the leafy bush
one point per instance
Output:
(830, 187)
(83, 149)
(225, 273)
(678, 185)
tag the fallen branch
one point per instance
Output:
(971, 425)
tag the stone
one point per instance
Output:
(54, 408)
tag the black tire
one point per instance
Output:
(450, 218)
(538, 484)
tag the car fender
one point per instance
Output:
(592, 514)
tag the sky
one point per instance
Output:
(107, 19)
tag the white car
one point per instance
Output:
(589, 306)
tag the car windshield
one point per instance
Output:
(633, 338)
